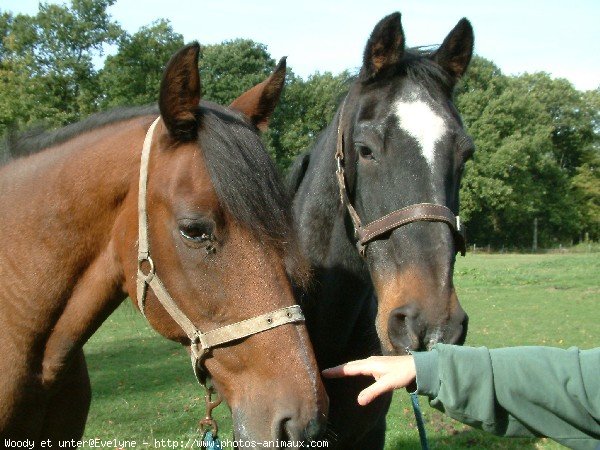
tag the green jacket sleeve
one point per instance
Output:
(517, 391)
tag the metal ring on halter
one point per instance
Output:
(151, 271)
(199, 355)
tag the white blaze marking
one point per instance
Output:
(422, 123)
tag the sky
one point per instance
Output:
(558, 37)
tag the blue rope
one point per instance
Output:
(419, 418)
(212, 443)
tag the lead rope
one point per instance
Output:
(414, 398)
(211, 442)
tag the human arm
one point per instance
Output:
(519, 391)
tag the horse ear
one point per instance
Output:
(385, 47)
(258, 103)
(180, 93)
(454, 55)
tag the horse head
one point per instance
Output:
(404, 145)
(221, 240)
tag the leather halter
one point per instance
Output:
(428, 212)
(200, 343)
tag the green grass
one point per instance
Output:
(143, 387)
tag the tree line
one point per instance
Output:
(537, 138)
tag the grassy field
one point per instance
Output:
(143, 387)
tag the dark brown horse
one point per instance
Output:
(384, 177)
(219, 229)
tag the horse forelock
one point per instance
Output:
(417, 65)
(246, 180)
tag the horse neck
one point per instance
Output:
(320, 216)
(57, 245)
(342, 286)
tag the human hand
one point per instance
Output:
(390, 372)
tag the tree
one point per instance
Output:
(230, 68)
(571, 117)
(306, 108)
(586, 181)
(53, 51)
(537, 138)
(132, 76)
(482, 81)
(516, 175)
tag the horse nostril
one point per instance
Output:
(314, 430)
(409, 330)
(286, 428)
(280, 429)
(401, 329)
(289, 428)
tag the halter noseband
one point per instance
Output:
(200, 343)
(428, 212)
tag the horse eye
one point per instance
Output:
(195, 232)
(466, 146)
(365, 152)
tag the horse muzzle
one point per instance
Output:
(409, 330)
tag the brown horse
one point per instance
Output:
(219, 227)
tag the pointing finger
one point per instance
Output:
(353, 368)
